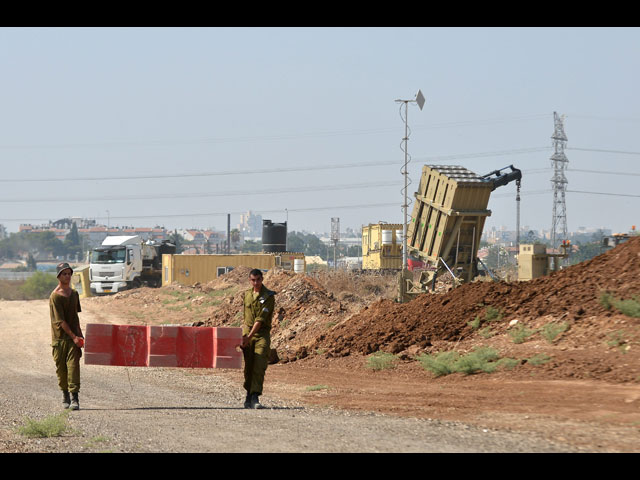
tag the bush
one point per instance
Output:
(52, 426)
(539, 359)
(520, 333)
(630, 308)
(439, 364)
(39, 285)
(551, 330)
(381, 361)
(606, 300)
(482, 359)
(492, 313)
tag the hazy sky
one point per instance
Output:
(303, 122)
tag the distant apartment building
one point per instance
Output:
(3, 232)
(94, 234)
(250, 225)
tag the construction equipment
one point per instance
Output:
(382, 248)
(124, 262)
(448, 216)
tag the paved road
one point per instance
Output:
(127, 409)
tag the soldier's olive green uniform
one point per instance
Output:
(257, 308)
(66, 354)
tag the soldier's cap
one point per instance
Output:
(62, 266)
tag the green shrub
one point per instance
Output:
(520, 333)
(486, 332)
(507, 363)
(606, 300)
(630, 308)
(381, 361)
(315, 388)
(539, 359)
(551, 330)
(482, 359)
(39, 285)
(479, 360)
(439, 364)
(492, 313)
(475, 324)
(52, 426)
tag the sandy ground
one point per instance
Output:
(316, 404)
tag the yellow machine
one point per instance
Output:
(191, 269)
(80, 282)
(449, 213)
(382, 246)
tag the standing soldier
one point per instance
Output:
(66, 336)
(259, 303)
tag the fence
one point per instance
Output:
(16, 276)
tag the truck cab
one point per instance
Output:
(116, 265)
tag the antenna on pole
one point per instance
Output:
(420, 100)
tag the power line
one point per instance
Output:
(294, 136)
(276, 170)
(309, 209)
(205, 194)
(605, 193)
(603, 150)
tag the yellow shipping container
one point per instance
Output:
(382, 246)
(191, 269)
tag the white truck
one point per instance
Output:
(124, 262)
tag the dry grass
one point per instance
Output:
(351, 286)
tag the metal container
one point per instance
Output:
(379, 251)
(298, 265)
(449, 213)
(274, 236)
(191, 269)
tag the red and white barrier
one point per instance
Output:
(162, 346)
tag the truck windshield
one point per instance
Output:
(109, 256)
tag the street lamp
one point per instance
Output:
(419, 99)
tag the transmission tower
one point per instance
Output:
(559, 182)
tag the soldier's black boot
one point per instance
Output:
(255, 402)
(66, 400)
(75, 403)
(247, 401)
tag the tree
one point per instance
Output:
(177, 240)
(31, 263)
(72, 242)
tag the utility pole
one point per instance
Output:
(559, 183)
(335, 238)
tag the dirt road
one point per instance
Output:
(187, 410)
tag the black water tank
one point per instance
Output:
(274, 236)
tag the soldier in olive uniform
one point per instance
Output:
(259, 303)
(66, 336)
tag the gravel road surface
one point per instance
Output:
(128, 409)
